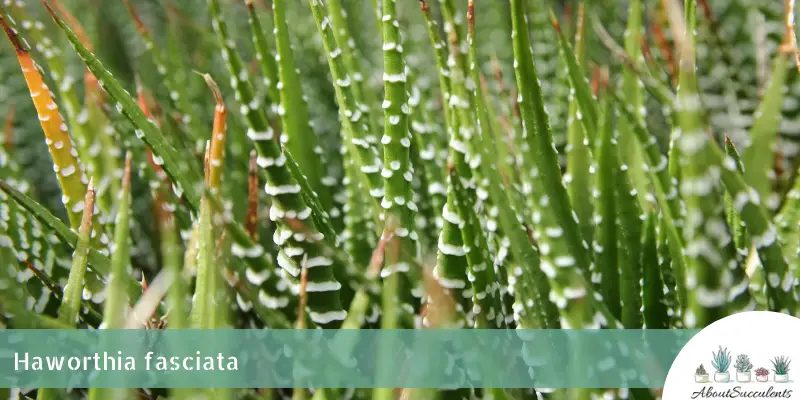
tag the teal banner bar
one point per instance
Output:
(338, 358)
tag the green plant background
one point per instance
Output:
(406, 163)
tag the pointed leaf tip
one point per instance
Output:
(451, 167)
(424, 5)
(140, 26)
(75, 24)
(126, 177)
(554, 21)
(52, 12)
(303, 294)
(88, 209)
(12, 35)
(251, 223)
(471, 14)
(214, 88)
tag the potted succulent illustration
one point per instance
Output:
(781, 368)
(700, 374)
(762, 374)
(721, 361)
(743, 367)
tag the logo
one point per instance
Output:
(747, 355)
(745, 374)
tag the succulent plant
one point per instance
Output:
(701, 370)
(743, 363)
(761, 371)
(340, 181)
(721, 360)
(781, 365)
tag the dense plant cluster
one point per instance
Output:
(781, 365)
(743, 363)
(475, 164)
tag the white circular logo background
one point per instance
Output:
(765, 338)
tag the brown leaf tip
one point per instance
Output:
(76, 26)
(579, 29)
(424, 5)
(88, 207)
(214, 89)
(471, 13)
(303, 294)
(90, 189)
(126, 176)
(140, 26)
(554, 20)
(12, 36)
(253, 162)
(43, 277)
(53, 13)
